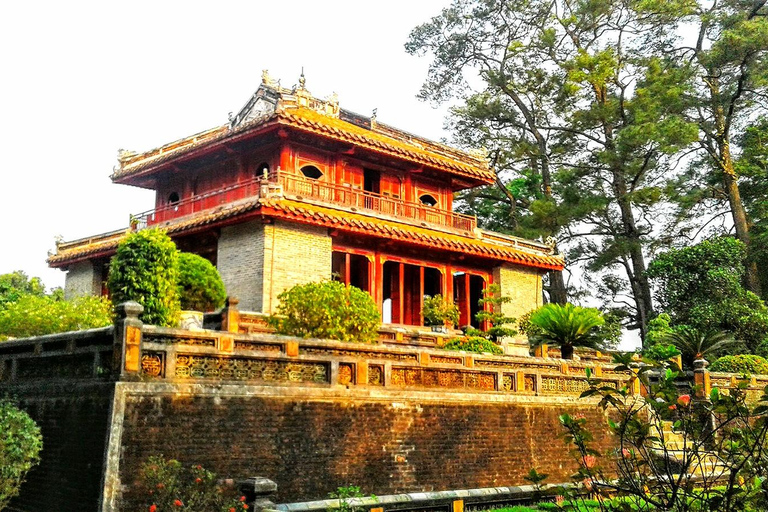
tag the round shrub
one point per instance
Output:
(20, 445)
(145, 269)
(329, 310)
(744, 363)
(473, 344)
(200, 285)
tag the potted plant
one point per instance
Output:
(439, 313)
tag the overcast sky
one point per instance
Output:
(82, 79)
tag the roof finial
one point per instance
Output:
(302, 80)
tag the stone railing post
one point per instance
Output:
(635, 386)
(258, 491)
(127, 340)
(701, 378)
(230, 316)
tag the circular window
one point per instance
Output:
(312, 172)
(262, 169)
(173, 197)
(428, 200)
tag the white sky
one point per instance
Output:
(79, 80)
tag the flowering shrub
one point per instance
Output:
(167, 486)
(473, 344)
(651, 468)
(35, 315)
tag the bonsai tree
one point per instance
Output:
(439, 311)
(329, 310)
(490, 311)
(20, 445)
(566, 326)
(145, 269)
(199, 285)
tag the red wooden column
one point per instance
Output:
(401, 287)
(421, 295)
(467, 305)
(347, 268)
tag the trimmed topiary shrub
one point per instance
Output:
(744, 363)
(329, 310)
(145, 269)
(476, 344)
(20, 445)
(200, 286)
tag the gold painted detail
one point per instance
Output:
(508, 382)
(529, 382)
(346, 371)
(255, 345)
(515, 366)
(366, 354)
(182, 340)
(443, 378)
(234, 368)
(375, 375)
(445, 360)
(153, 363)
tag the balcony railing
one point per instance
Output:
(303, 188)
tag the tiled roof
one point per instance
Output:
(332, 218)
(307, 120)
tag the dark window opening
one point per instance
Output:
(352, 269)
(312, 172)
(404, 288)
(371, 181)
(173, 198)
(467, 292)
(262, 169)
(428, 200)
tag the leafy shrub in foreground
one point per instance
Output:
(33, 315)
(741, 364)
(20, 445)
(167, 485)
(439, 311)
(199, 283)
(144, 269)
(329, 310)
(476, 344)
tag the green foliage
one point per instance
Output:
(439, 311)
(200, 286)
(33, 315)
(661, 351)
(700, 286)
(349, 497)
(695, 344)
(567, 326)
(328, 310)
(657, 329)
(491, 311)
(476, 344)
(167, 485)
(742, 364)
(648, 469)
(145, 269)
(20, 445)
(17, 284)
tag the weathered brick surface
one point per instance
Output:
(83, 278)
(524, 287)
(293, 254)
(310, 445)
(241, 263)
(73, 418)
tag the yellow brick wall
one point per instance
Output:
(293, 254)
(524, 286)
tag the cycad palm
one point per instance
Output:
(567, 326)
(695, 344)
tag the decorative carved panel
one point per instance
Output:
(212, 367)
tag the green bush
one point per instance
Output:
(20, 445)
(476, 344)
(748, 364)
(567, 326)
(200, 286)
(167, 485)
(439, 311)
(661, 351)
(33, 315)
(145, 269)
(15, 285)
(329, 310)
